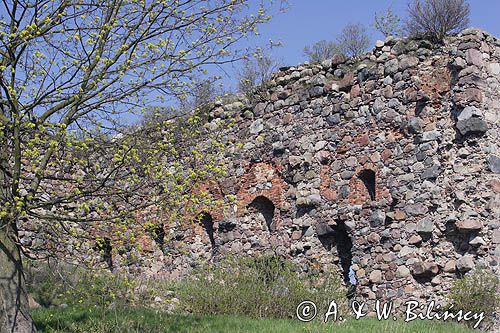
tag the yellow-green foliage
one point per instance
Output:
(81, 72)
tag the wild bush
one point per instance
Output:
(435, 19)
(388, 23)
(258, 287)
(261, 287)
(64, 284)
(477, 292)
(354, 40)
(321, 50)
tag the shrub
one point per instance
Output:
(435, 19)
(476, 292)
(262, 287)
(58, 283)
(255, 73)
(388, 23)
(321, 50)
(353, 40)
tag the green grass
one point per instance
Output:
(97, 320)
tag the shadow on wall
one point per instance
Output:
(265, 207)
(339, 238)
(207, 222)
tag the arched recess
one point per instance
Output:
(266, 208)
(207, 222)
(368, 178)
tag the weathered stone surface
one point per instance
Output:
(450, 266)
(415, 125)
(296, 235)
(472, 126)
(494, 163)
(391, 67)
(408, 62)
(337, 59)
(376, 276)
(496, 236)
(465, 263)
(416, 239)
(377, 218)
(425, 268)
(323, 229)
(477, 241)
(470, 95)
(379, 105)
(373, 237)
(257, 126)
(278, 148)
(406, 250)
(32, 303)
(469, 224)
(494, 68)
(474, 57)
(402, 272)
(469, 112)
(416, 209)
(432, 172)
(430, 136)
(425, 225)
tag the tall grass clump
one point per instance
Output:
(259, 287)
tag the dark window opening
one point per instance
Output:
(104, 246)
(368, 178)
(394, 203)
(340, 239)
(420, 107)
(433, 208)
(158, 234)
(207, 222)
(266, 207)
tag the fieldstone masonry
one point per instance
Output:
(389, 164)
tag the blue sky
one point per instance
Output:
(308, 21)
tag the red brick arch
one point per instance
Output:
(358, 193)
(261, 174)
(257, 175)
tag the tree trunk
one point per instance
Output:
(14, 308)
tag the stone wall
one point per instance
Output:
(397, 150)
(389, 164)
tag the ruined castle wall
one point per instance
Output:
(388, 164)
